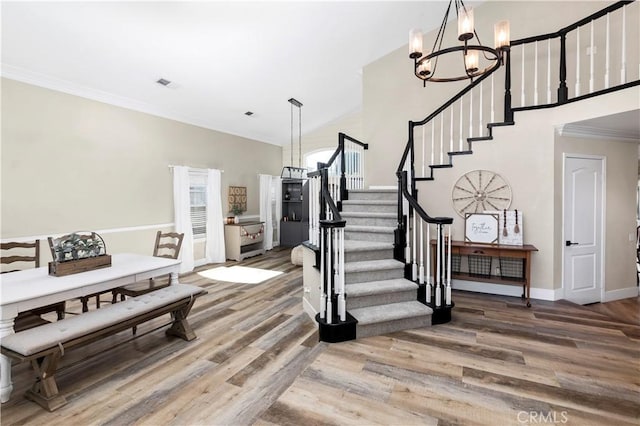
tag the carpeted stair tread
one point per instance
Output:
(390, 312)
(346, 215)
(357, 245)
(373, 191)
(371, 229)
(371, 202)
(380, 287)
(372, 265)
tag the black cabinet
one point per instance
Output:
(294, 224)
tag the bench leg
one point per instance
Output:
(44, 391)
(181, 327)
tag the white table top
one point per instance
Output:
(36, 283)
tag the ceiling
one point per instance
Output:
(223, 58)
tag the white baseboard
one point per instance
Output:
(309, 309)
(505, 290)
(623, 293)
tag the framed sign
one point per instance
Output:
(481, 228)
(238, 198)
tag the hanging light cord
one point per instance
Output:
(291, 135)
(299, 136)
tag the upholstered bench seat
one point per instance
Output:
(45, 344)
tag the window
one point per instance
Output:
(198, 195)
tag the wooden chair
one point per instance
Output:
(27, 253)
(167, 245)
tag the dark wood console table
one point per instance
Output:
(504, 252)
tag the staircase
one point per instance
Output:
(377, 294)
(357, 235)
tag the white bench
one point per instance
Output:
(44, 345)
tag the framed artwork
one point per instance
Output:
(237, 198)
(481, 228)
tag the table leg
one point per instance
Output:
(6, 385)
(174, 278)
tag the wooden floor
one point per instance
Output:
(257, 360)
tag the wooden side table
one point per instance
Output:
(502, 251)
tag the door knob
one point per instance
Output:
(569, 243)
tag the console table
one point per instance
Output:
(506, 254)
(243, 239)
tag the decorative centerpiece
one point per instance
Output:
(77, 252)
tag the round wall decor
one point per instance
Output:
(480, 190)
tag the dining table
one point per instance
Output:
(25, 290)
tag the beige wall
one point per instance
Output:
(325, 137)
(526, 155)
(392, 95)
(69, 163)
(620, 206)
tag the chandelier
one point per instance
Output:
(425, 65)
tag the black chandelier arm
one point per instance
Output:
(495, 53)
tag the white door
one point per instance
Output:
(583, 198)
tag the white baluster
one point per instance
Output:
(421, 268)
(342, 308)
(607, 54)
(460, 130)
(522, 78)
(471, 113)
(451, 133)
(323, 294)
(433, 141)
(329, 238)
(428, 288)
(493, 108)
(447, 297)
(591, 55)
(549, 71)
(414, 265)
(423, 154)
(439, 265)
(535, 74)
(480, 109)
(623, 69)
(577, 61)
(442, 138)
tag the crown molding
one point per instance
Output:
(590, 132)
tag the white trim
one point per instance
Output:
(506, 290)
(200, 262)
(382, 187)
(100, 231)
(308, 308)
(603, 217)
(590, 132)
(623, 293)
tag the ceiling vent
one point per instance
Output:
(163, 82)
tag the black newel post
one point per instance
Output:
(563, 91)
(508, 112)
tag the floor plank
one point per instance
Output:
(257, 360)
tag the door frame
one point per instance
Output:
(603, 212)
